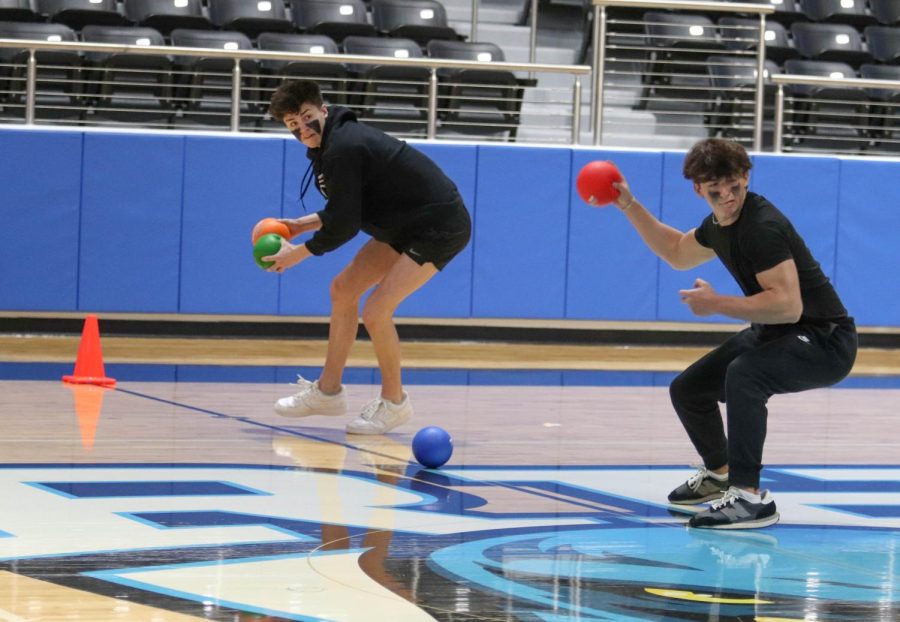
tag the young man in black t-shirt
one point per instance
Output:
(417, 220)
(800, 335)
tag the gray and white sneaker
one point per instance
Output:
(736, 510)
(700, 487)
(310, 400)
(381, 415)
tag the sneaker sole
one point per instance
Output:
(750, 524)
(705, 499)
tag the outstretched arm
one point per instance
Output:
(678, 249)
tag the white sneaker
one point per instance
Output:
(310, 400)
(380, 416)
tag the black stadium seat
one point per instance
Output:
(207, 81)
(827, 117)
(331, 77)
(830, 42)
(740, 34)
(393, 98)
(78, 13)
(334, 18)
(884, 43)
(250, 18)
(477, 101)
(419, 20)
(59, 79)
(887, 12)
(786, 11)
(132, 88)
(17, 11)
(734, 83)
(886, 116)
(680, 44)
(166, 15)
(839, 11)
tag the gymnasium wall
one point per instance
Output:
(160, 223)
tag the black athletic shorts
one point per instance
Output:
(437, 236)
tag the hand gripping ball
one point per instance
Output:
(594, 182)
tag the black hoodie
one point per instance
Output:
(373, 182)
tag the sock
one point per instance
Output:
(717, 477)
(749, 496)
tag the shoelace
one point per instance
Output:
(371, 408)
(729, 498)
(304, 385)
(695, 480)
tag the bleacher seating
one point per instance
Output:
(827, 117)
(476, 101)
(166, 15)
(419, 20)
(250, 18)
(837, 42)
(59, 72)
(332, 77)
(78, 13)
(336, 20)
(690, 65)
(129, 88)
(391, 97)
(17, 11)
(206, 82)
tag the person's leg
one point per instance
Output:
(806, 358)
(404, 278)
(392, 408)
(325, 396)
(696, 394)
(370, 265)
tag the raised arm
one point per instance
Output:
(678, 249)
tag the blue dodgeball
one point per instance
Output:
(432, 446)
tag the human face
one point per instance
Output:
(725, 196)
(307, 124)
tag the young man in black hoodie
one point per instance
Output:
(800, 335)
(417, 220)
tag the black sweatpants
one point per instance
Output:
(744, 372)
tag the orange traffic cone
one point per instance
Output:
(89, 364)
(88, 404)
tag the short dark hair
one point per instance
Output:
(291, 95)
(715, 158)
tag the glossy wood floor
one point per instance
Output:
(164, 501)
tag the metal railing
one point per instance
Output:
(860, 114)
(241, 81)
(599, 43)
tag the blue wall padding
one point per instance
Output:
(612, 275)
(40, 198)
(130, 223)
(868, 241)
(228, 187)
(521, 232)
(161, 223)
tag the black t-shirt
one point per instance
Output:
(760, 239)
(374, 183)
